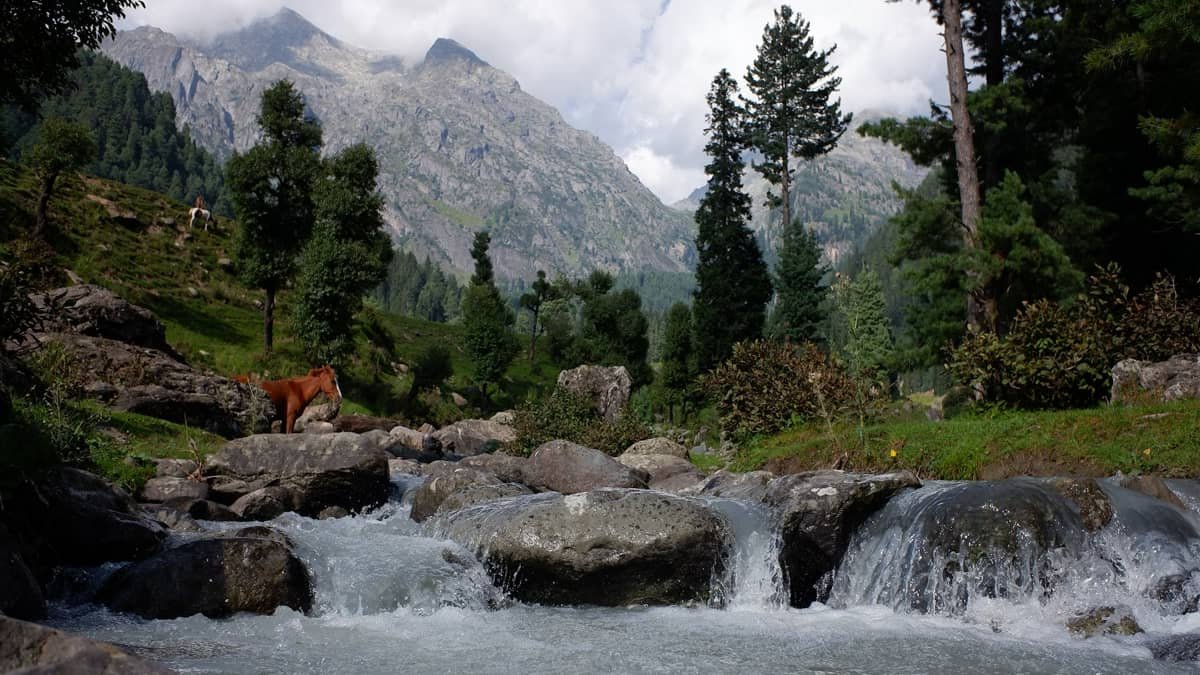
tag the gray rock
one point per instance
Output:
(174, 519)
(174, 468)
(504, 417)
(751, 486)
(818, 512)
(608, 388)
(478, 494)
(657, 446)
(657, 467)
(30, 648)
(408, 466)
(1176, 648)
(264, 503)
(606, 547)
(324, 413)
(562, 466)
(361, 424)
(687, 483)
(227, 489)
(87, 309)
(410, 438)
(149, 382)
(202, 509)
(318, 471)
(1176, 378)
(507, 468)
(1152, 486)
(316, 427)
(332, 512)
(446, 480)
(474, 437)
(216, 577)
(162, 489)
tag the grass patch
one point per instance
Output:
(1161, 439)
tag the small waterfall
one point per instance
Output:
(753, 579)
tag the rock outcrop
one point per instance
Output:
(310, 472)
(251, 570)
(30, 648)
(608, 388)
(606, 547)
(87, 309)
(1176, 378)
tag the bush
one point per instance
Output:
(563, 415)
(766, 386)
(1061, 355)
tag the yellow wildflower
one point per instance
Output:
(892, 452)
(1146, 452)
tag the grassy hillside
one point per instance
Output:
(133, 242)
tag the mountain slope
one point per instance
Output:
(843, 197)
(461, 146)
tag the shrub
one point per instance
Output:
(563, 415)
(1061, 355)
(766, 386)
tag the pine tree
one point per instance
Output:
(486, 321)
(678, 358)
(732, 283)
(789, 114)
(271, 189)
(799, 296)
(868, 348)
(539, 292)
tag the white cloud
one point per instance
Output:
(634, 72)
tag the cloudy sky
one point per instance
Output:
(633, 72)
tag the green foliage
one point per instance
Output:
(612, 328)
(137, 141)
(732, 284)
(271, 187)
(789, 113)
(41, 40)
(800, 309)
(62, 146)
(1060, 355)
(346, 256)
(417, 289)
(767, 385)
(490, 344)
(539, 292)
(483, 262)
(431, 368)
(563, 415)
(865, 339)
(18, 278)
(678, 356)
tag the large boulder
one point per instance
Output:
(508, 468)
(361, 424)
(659, 468)
(316, 471)
(20, 594)
(606, 547)
(68, 516)
(566, 467)
(87, 309)
(149, 382)
(818, 511)
(474, 437)
(478, 494)
(657, 446)
(30, 648)
(750, 486)
(1176, 378)
(446, 480)
(607, 388)
(244, 571)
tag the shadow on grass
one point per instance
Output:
(204, 323)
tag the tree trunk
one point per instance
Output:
(533, 335)
(786, 185)
(269, 321)
(43, 206)
(964, 143)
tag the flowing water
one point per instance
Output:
(392, 598)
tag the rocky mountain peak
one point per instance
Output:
(274, 39)
(445, 50)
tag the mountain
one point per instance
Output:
(461, 146)
(843, 197)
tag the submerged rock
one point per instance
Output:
(1092, 504)
(1176, 648)
(1104, 621)
(250, 570)
(30, 648)
(612, 547)
(818, 512)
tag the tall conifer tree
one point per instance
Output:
(732, 283)
(486, 320)
(800, 297)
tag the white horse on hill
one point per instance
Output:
(203, 214)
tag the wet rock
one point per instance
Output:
(750, 486)
(264, 503)
(332, 512)
(446, 480)
(1152, 486)
(216, 577)
(608, 547)
(1176, 378)
(318, 471)
(20, 594)
(474, 437)
(1176, 648)
(507, 468)
(1104, 621)
(149, 382)
(478, 494)
(175, 520)
(162, 489)
(562, 466)
(657, 446)
(1177, 593)
(607, 388)
(30, 648)
(87, 309)
(227, 489)
(1092, 504)
(818, 512)
(202, 509)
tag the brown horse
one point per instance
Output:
(292, 395)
